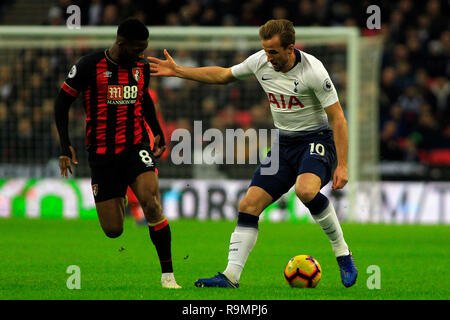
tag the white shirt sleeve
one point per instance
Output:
(322, 85)
(246, 68)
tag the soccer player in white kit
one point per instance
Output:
(313, 141)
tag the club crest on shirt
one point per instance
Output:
(327, 86)
(95, 189)
(295, 85)
(136, 73)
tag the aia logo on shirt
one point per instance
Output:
(283, 102)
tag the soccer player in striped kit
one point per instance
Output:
(313, 142)
(119, 114)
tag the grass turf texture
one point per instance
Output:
(35, 254)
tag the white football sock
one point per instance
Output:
(167, 275)
(242, 241)
(329, 223)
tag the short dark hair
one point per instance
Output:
(132, 29)
(281, 27)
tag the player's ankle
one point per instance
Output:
(165, 275)
(233, 273)
(340, 249)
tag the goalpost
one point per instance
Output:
(46, 54)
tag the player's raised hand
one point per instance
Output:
(163, 68)
(340, 177)
(65, 163)
(157, 149)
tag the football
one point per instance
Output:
(303, 271)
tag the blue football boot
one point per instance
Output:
(348, 270)
(220, 280)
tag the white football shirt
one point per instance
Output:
(298, 97)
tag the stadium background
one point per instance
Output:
(414, 131)
(414, 113)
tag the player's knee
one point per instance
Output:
(305, 194)
(113, 232)
(151, 207)
(249, 205)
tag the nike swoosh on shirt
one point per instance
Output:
(265, 78)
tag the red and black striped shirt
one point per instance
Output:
(113, 101)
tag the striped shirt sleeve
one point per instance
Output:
(76, 80)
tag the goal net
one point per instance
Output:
(34, 62)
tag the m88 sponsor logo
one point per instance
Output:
(121, 94)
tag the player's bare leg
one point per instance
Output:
(255, 201)
(242, 240)
(111, 214)
(307, 188)
(135, 208)
(147, 191)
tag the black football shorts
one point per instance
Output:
(314, 153)
(111, 175)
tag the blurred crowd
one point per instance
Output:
(28, 87)
(415, 87)
(414, 80)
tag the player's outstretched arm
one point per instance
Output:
(168, 68)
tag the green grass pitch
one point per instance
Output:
(35, 254)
